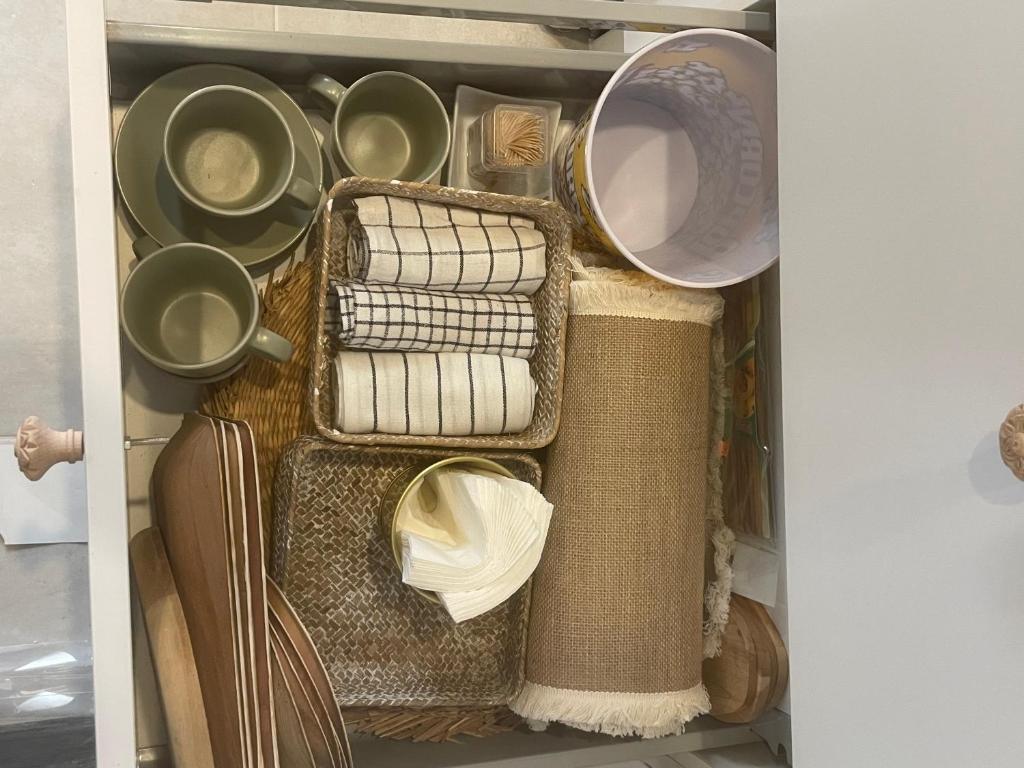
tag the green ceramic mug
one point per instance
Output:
(387, 125)
(229, 151)
(193, 310)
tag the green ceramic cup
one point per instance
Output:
(192, 310)
(229, 151)
(387, 125)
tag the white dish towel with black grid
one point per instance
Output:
(395, 317)
(445, 248)
(432, 393)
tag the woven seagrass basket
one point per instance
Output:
(550, 304)
(383, 644)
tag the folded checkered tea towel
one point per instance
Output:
(448, 248)
(432, 393)
(406, 212)
(377, 316)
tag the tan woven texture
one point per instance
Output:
(549, 305)
(383, 644)
(618, 597)
(433, 724)
(271, 397)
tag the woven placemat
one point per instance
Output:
(269, 396)
(431, 724)
(382, 643)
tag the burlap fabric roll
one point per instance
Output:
(618, 628)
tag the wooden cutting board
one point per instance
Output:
(750, 675)
(293, 701)
(238, 590)
(248, 596)
(311, 688)
(190, 509)
(293, 742)
(171, 649)
(778, 653)
(256, 577)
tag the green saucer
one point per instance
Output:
(156, 205)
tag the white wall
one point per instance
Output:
(901, 165)
(43, 589)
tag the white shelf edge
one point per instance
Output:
(560, 747)
(103, 416)
(596, 14)
(120, 33)
(703, 733)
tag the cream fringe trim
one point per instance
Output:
(631, 293)
(723, 541)
(649, 715)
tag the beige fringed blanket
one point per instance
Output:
(617, 627)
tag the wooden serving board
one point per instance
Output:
(256, 579)
(238, 586)
(171, 649)
(298, 655)
(750, 675)
(292, 739)
(314, 736)
(778, 653)
(206, 497)
(188, 498)
(248, 589)
(731, 678)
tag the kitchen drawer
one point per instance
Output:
(138, 53)
(892, 482)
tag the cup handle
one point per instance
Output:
(304, 192)
(145, 246)
(271, 346)
(326, 88)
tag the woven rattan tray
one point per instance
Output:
(550, 303)
(383, 644)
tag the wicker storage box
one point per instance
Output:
(550, 304)
(381, 642)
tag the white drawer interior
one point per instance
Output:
(154, 401)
